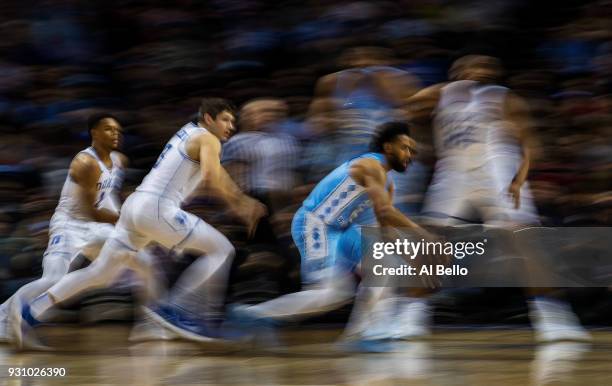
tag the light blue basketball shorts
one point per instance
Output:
(324, 248)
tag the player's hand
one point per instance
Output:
(515, 193)
(251, 212)
(259, 211)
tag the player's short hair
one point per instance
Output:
(94, 120)
(387, 132)
(466, 62)
(214, 107)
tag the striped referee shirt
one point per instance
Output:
(267, 161)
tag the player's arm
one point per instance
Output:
(218, 181)
(422, 104)
(371, 175)
(123, 163)
(85, 172)
(396, 87)
(516, 113)
(215, 178)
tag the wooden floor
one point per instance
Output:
(100, 355)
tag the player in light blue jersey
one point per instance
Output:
(326, 229)
(366, 93)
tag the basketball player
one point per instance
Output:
(481, 137)
(153, 213)
(88, 206)
(365, 94)
(326, 229)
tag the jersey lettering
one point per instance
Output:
(162, 155)
(97, 204)
(182, 134)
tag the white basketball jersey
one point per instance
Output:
(71, 204)
(468, 123)
(175, 176)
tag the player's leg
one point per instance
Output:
(109, 264)
(409, 308)
(152, 287)
(327, 285)
(116, 254)
(61, 251)
(203, 284)
(552, 317)
(62, 243)
(114, 257)
(101, 273)
(369, 314)
(336, 289)
(54, 267)
(198, 295)
(143, 262)
(447, 203)
(152, 284)
(89, 248)
(4, 330)
(367, 317)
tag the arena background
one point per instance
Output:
(150, 62)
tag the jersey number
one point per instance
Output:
(97, 204)
(162, 155)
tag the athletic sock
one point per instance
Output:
(40, 306)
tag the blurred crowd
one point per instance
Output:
(149, 63)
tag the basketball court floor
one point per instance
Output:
(101, 355)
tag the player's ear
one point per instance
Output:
(208, 120)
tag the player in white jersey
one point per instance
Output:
(153, 213)
(88, 206)
(482, 145)
(481, 141)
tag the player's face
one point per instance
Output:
(223, 125)
(269, 113)
(107, 133)
(400, 152)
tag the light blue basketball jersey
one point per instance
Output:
(338, 200)
(362, 95)
(361, 108)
